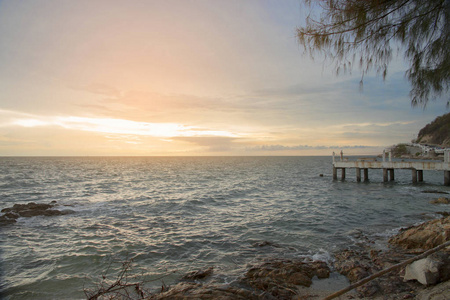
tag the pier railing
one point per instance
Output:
(388, 166)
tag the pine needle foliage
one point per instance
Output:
(367, 33)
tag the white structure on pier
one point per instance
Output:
(388, 166)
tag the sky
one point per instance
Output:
(186, 78)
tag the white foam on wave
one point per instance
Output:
(322, 255)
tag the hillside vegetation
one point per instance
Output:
(436, 133)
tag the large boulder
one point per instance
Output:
(430, 270)
(425, 236)
(426, 271)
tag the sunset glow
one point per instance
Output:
(118, 126)
(184, 78)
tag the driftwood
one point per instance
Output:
(385, 271)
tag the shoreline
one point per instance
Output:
(370, 252)
(277, 278)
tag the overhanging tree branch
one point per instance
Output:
(367, 30)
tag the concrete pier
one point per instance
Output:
(389, 166)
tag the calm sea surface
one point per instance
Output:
(172, 215)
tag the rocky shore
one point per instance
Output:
(407, 282)
(275, 278)
(427, 278)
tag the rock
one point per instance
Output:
(430, 270)
(356, 266)
(425, 236)
(443, 213)
(438, 292)
(200, 274)
(440, 200)
(30, 210)
(279, 277)
(352, 264)
(5, 219)
(264, 244)
(426, 271)
(434, 192)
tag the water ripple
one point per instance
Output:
(179, 214)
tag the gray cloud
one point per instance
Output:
(303, 147)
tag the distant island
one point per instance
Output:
(431, 141)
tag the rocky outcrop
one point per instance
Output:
(271, 279)
(436, 132)
(10, 215)
(357, 264)
(280, 277)
(440, 200)
(423, 237)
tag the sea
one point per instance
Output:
(167, 216)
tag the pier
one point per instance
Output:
(389, 166)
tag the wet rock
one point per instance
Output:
(280, 277)
(265, 243)
(434, 192)
(443, 213)
(200, 274)
(440, 200)
(425, 236)
(31, 209)
(356, 266)
(190, 290)
(8, 218)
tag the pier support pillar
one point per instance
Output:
(366, 174)
(391, 174)
(334, 173)
(420, 175)
(414, 175)
(358, 174)
(447, 178)
(343, 173)
(385, 175)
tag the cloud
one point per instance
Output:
(271, 148)
(156, 71)
(211, 143)
(114, 126)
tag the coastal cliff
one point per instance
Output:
(436, 133)
(430, 141)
